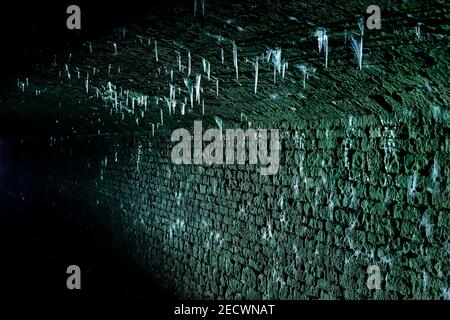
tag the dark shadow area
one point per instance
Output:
(34, 31)
(37, 247)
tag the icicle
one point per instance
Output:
(156, 51)
(197, 87)
(322, 42)
(283, 69)
(358, 48)
(319, 34)
(153, 129)
(171, 75)
(90, 47)
(276, 60)
(306, 72)
(87, 85)
(172, 92)
(208, 70)
(115, 48)
(256, 74)
(204, 65)
(66, 71)
(304, 78)
(217, 87)
(222, 56)
(203, 7)
(203, 107)
(162, 117)
(189, 64)
(109, 70)
(268, 55)
(418, 31)
(360, 53)
(26, 81)
(235, 59)
(179, 61)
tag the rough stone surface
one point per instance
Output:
(364, 175)
(350, 193)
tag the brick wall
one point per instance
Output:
(349, 193)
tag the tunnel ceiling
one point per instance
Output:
(399, 68)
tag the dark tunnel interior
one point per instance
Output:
(225, 150)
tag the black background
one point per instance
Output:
(33, 31)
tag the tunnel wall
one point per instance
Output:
(349, 193)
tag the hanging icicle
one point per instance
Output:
(179, 61)
(189, 64)
(276, 60)
(357, 44)
(204, 64)
(284, 67)
(418, 31)
(217, 87)
(256, 74)
(322, 42)
(235, 59)
(197, 88)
